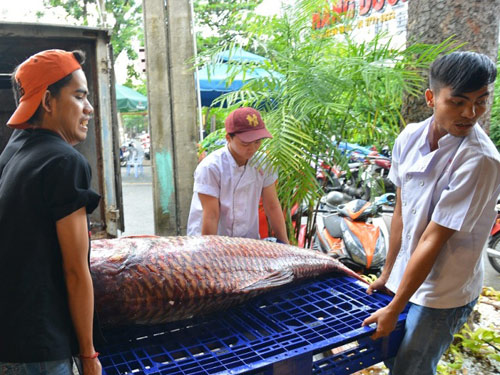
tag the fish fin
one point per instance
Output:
(277, 278)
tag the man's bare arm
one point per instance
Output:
(72, 233)
(210, 216)
(417, 270)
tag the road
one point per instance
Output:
(138, 202)
(138, 207)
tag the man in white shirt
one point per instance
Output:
(447, 173)
(230, 182)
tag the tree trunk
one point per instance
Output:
(473, 22)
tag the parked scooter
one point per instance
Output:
(124, 152)
(493, 250)
(354, 232)
(364, 175)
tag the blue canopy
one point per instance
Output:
(239, 54)
(213, 80)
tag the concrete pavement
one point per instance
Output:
(138, 202)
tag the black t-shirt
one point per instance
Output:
(16, 140)
(42, 179)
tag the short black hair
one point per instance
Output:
(54, 88)
(462, 71)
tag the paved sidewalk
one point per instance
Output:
(138, 202)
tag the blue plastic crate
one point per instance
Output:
(286, 326)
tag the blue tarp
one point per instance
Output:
(213, 77)
(239, 54)
(213, 80)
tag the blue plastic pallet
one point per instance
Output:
(275, 333)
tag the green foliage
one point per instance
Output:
(123, 17)
(212, 142)
(135, 123)
(220, 115)
(481, 343)
(78, 9)
(141, 87)
(495, 110)
(225, 19)
(320, 87)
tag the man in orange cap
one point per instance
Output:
(45, 286)
(230, 182)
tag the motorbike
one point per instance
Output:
(364, 175)
(356, 233)
(493, 250)
(124, 152)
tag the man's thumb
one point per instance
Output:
(368, 321)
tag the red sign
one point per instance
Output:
(344, 6)
(348, 7)
(377, 5)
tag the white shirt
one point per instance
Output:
(456, 186)
(238, 189)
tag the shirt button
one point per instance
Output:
(408, 237)
(413, 211)
(404, 203)
(421, 183)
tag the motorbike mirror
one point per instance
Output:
(387, 198)
(334, 198)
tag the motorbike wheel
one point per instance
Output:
(494, 243)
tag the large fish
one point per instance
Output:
(151, 280)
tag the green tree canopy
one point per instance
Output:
(223, 20)
(123, 17)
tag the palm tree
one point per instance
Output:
(319, 87)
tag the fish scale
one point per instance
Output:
(153, 280)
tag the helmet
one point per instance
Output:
(334, 198)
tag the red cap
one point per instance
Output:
(247, 124)
(34, 76)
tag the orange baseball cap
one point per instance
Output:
(34, 76)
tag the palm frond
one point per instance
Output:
(318, 87)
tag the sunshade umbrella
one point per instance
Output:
(239, 54)
(214, 80)
(129, 100)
